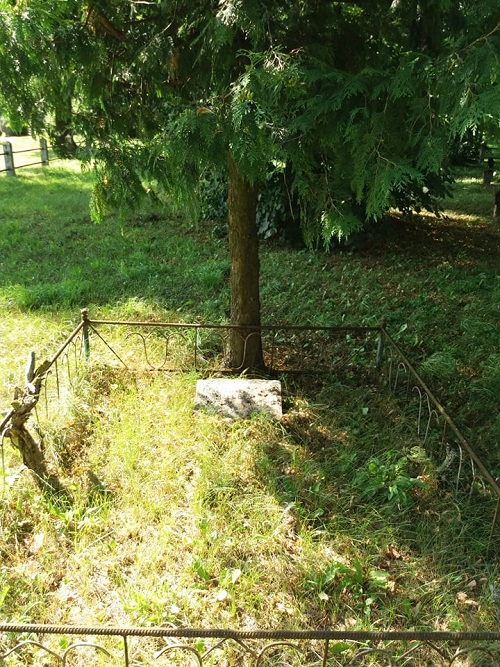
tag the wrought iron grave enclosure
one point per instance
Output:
(158, 346)
(66, 645)
(181, 347)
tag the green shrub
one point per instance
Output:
(274, 212)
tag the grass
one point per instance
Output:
(179, 518)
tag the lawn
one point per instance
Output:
(333, 517)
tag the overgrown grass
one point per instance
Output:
(332, 517)
(184, 518)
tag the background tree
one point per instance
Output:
(355, 102)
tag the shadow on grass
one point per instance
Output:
(343, 471)
(424, 236)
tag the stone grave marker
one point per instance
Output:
(239, 398)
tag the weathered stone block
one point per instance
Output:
(236, 398)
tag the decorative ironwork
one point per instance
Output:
(37, 644)
(61, 375)
(438, 433)
(288, 349)
(204, 347)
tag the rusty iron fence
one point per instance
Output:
(68, 645)
(60, 374)
(458, 461)
(158, 346)
(180, 347)
(165, 346)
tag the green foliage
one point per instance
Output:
(159, 93)
(364, 584)
(387, 479)
(213, 199)
(273, 208)
(465, 150)
(344, 576)
(273, 205)
(426, 194)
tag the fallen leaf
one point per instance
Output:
(392, 552)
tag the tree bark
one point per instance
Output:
(24, 403)
(63, 139)
(245, 346)
(33, 458)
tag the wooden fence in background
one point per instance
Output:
(8, 154)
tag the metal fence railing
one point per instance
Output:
(161, 346)
(165, 346)
(158, 346)
(438, 433)
(64, 645)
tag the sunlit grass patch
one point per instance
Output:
(472, 200)
(462, 218)
(184, 518)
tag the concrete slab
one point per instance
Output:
(239, 398)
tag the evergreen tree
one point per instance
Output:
(358, 99)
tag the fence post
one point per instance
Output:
(85, 332)
(380, 345)
(44, 152)
(496, 207)
(9, 158)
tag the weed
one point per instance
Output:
(364, 585)
(387, 479)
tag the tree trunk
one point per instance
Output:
(63, 139)
(33, 457)
(245, 347)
